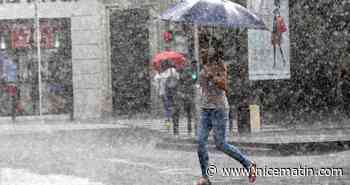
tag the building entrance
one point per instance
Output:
(130, 61)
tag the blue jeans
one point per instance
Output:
(167, 106)
(172, 111)
(216, 119)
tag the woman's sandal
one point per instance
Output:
(252, 172)
(203, 181)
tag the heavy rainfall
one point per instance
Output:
(175, 92)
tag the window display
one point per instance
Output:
(17, 40)
(21, 35)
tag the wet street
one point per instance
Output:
(126, 156)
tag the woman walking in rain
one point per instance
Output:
(214, 116)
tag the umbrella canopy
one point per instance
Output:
(213, 13)
(177, 58)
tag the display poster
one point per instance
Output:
(47, 36)
(269, 50)
(21, 36)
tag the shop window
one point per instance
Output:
(18, 42)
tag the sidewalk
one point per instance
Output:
(50, 126)
(271, 140)
(268, 133)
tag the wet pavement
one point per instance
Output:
(269, 134)
(128, 156)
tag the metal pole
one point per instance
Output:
(197, 89)
(196, 46)
(38, 38)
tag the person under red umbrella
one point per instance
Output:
(167, 85)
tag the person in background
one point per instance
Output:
(167, 84)
(214, 116)
(160, 86)
(172, 96)
(188, 78)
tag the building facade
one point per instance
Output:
(95, 55)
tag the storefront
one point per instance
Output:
(71, 54)
(85, 58)
(134, 36)
(18, 44)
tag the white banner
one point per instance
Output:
(269, 50)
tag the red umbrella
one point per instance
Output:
(177, 58)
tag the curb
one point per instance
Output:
(212, 148)
(47, 129)
(263, 149)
